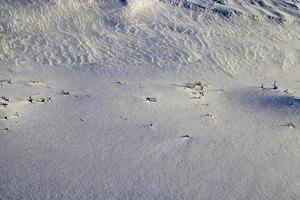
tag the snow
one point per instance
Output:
(149, 100)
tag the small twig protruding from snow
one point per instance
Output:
(64, 92)
(289, 93)
(198, 93)
(5, 98)
(151, 99)
(6, 80)
(43, 100)
(197, 85)
(186, 136)
(275, 87)
(30, 99)
(4, 104)
(5, 118)
(121, 83)
(291, 125)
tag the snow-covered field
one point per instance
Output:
(150, 99)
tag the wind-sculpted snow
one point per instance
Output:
(28, 2)
(149, 99)
(276, 10)
(94, 35)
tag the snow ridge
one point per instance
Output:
(276, 10)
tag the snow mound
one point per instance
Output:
(137, 6)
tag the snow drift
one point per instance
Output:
(169, 99)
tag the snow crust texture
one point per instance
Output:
(157, 99)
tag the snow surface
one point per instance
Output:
(102, 99)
